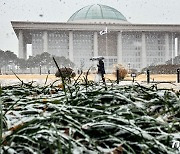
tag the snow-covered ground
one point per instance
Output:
(41, 80)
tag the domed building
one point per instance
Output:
(100, 30)
(97, 13)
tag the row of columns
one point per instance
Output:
(23, 50)
(120, 49)
(22, 44)
(144, 51)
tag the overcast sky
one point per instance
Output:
(136, 11)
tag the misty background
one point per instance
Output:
(135, 11)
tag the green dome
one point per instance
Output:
(97, 11)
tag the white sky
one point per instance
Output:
(136, 11)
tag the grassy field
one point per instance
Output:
(85, 117)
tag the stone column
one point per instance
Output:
(143, 54)
(71, 53)
(172, 48)
(22, 46)
(95, 44)
(25, 50)
(178, 45)
(167, 47)
(119, 48)
(45, 41)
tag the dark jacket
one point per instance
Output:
(101, 69)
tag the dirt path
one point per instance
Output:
(159, 77)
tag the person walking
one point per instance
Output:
(101, 70)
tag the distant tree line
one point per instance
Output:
(170, 67)
(162, 69)
(175, 60)
(43, 60)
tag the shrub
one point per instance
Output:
(66, 72)
(122, 71)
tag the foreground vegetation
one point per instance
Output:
(89, 118)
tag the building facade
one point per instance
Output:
(132, 45)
